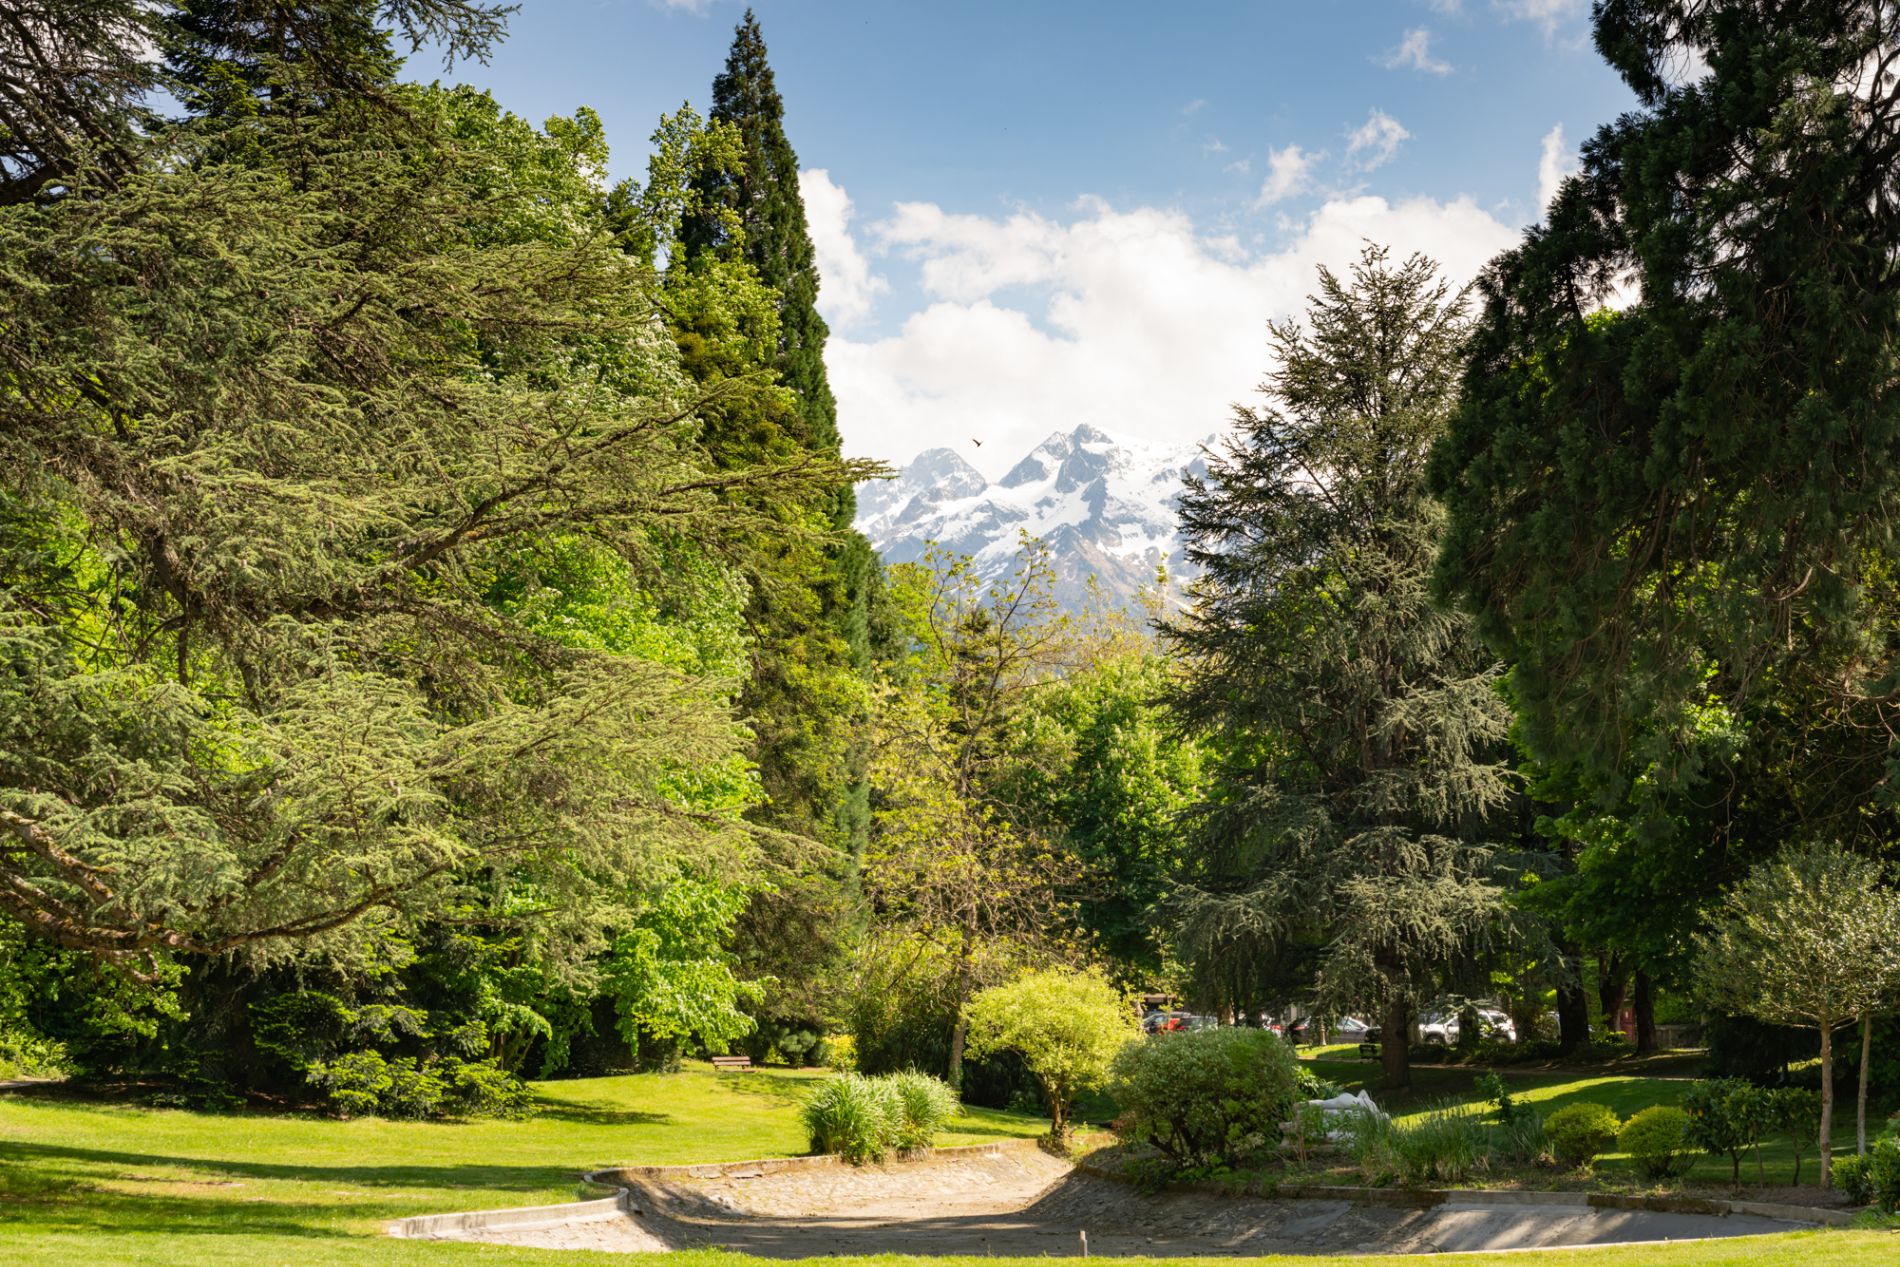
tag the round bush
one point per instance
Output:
(1580, 1132)
(1208, 1097)
(1657, 1141)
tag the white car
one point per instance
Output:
(1441, 1028)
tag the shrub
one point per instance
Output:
(1852, 1179)
(1308, 1085)
(863, 1119)
(924, 1105)
(1067, 1026)
(1657, 1140)
(1446, 1144)
(1796, 1111)
(1728, 1115)
(1580, 1132)
(1206, 1098)
(856, 1117)
(367, 1082)
(1883, 1173)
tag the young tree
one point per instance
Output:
(1809, 938)
(1068, 1026)
(1361, 726)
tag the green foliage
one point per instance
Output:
(863, 1118)
(1361, 768)
(1205, 1098)
(362, 1083)
(1068, 1026)
(1580, 1132)
(924, 1105)
(1883, 1173)
(670, 974)
(1447, 1143)
(1657, 1141)
(1852, 1180)
(1796, 1111)
(1728, 1115)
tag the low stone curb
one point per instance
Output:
(774, 1165)
(440, 1226)
(1425, 1198)
(445, 1226)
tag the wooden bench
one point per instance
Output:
(728, 1064)
(1368, 1051)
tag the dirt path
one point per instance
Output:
(1027, 1203)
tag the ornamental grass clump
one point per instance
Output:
(1448, 1143)
(866, 1119)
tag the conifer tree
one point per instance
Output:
(1363, 770)
(812, 766)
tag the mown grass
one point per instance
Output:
(102, 1184)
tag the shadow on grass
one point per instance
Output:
(494, 1177)
(594, 1113)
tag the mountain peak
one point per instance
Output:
(1105, 507)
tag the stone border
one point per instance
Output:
(445, 1226)
(430, 1227)
(773, 1165)
(1424, 1198)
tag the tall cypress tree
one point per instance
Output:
(813, 621)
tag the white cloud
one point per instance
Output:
(1195, 106)
(1375, 141)
(1240, 165)
(690, 6)
(847, 288)
(1549, 14)
(1553, 164)
(1132, 319)
(1289, 173)
(1415, 50)
(1213, 145)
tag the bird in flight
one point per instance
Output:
(978, 443)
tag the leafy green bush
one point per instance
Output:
(1852, 1179)
(364, 1083)
(1657, 1140)
(1728, 1115)
(1205, 1098)
(1447, 1144)
(1883, 1173)
(1067, 1026)
(1796, 1112)
(1580, 1132)
(1308, 1085)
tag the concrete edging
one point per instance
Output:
(774, 1165)
(1425, 1198)
(444, 1226)
(441, 1226)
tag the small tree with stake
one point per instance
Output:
(1810, 938)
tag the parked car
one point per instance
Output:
(1350, 1029)
(1441, 1028)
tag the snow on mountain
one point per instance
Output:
(1104, 505)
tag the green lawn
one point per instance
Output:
(1622, 1092)
(100, 1184)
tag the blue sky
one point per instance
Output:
(1035, 214)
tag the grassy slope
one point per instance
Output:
(105, 1184)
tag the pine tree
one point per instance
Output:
(1362, 774)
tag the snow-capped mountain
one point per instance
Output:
(1105, 506)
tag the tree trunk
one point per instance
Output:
(1827, 1103)
(966, 973)
(1613, 982)
(1860, 1106)
(1645, 1008)
(1573, 1006)
(1395, 1044)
